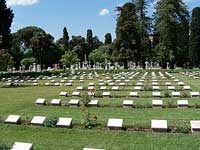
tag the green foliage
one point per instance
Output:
(5, 59)
(184, 95)
(99, 55)
(50, 122)
(4, 147)
(65, 39)
(6, 19)
(69, 58)
(195, 37)
(167, 95)
(28, 61)
(88, 121)
(127, 41)
(183, 127)
(85, 99)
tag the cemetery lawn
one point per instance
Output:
(20, 101)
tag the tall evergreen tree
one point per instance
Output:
(171, 15)
(127, 36)
(65, 39)
(108, 39)
(6, 18)
(89, 42)
(195, 37)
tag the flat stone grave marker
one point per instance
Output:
(159, 125)
(76, 94)
(157, 103)
(195, 126)
(74, 102)
(168, 83)
(106, 94)
(138, 88)
(47, 84)
(91, 88)
(139, 84)
(22, 146)
(122, 84)
(79, 88)
(128, 103)
(155, 83)
(64, 122)
(176, 94)
(68, 84)
(171, 88)
(103, 88)
(40, 101)
(187, 88)
(115, 124)
(56, 84)
(182, 103)
(194, 94)
(156, 88)
(181, 83)
(101, 84)
(92, 149)
(38, 120)
(93, 103)
(91, 84)
(116, 88)
(133, 94)
(156, 94)
(63, 94)
(13, 119)
(56, 102)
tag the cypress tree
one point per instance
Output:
(65, 39)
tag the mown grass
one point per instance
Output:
(21, 101)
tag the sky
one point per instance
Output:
(76, 15)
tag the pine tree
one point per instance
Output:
(6, 18)
(195, 37)
(65, 39)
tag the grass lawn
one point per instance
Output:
(21, 100)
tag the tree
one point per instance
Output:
(28, 61)
(195, 37)
(144, 27)
(69, 58)
(65, 39)
(89, 42)
(5, 59)
(170, 15)
(108, 39)
(6, 18)
(99, 55)
(127, 40)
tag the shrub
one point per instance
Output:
(88, 121)
(167, 95)
(4, 147)
(183, 127)
(50, 122)
(184, 95)
(170, 104)
(85, 99)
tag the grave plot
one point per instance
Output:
(22, 146)
(64, 122)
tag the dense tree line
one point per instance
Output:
(170, 36)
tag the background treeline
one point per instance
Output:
(171, 35)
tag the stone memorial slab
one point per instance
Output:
(176, 94)
(93, 103)
(106, 94)
(56, 102)
(38, 120)
(159, 125)
(156, 94)
(79, 88)
(115, 124)
(187, 88)
(156, 88)
(157, 103)
(76, 94)
(40, 101)
(64, 122)
(171, 88)
(63, 94)
(182, 103)
(195, 126)
(22, 146)
(194, 94)
(13, 119)
(74, 102)
(128, 103)
(115, 88)
(133, 94)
